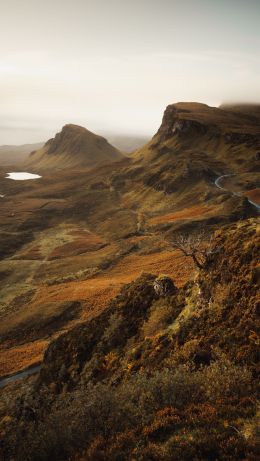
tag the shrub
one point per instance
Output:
(160, 317)
(152, 404)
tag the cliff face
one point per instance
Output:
(182, 117)
(195, 145)
(177, 120)
(74, 146)
(186, 122)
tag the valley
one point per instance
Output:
(81, 247)
(77, 256)
(77, 235)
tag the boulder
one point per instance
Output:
(164, 286)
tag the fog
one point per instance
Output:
(114, 66)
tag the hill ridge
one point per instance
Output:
(74, 146)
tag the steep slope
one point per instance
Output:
(219, 308)
(15, 155)
(73, 147)
(160, 377)
(195, 145)
(229, 135)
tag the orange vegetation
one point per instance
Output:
(17, 358)
(84, 241)
(94, 294)
(254, 195)
(186, 213)
(98, 290)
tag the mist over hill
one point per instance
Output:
(126, 142)
(16, 155)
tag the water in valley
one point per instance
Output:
(22, 176)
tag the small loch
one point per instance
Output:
(22, 176)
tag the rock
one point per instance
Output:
(164, 286)
(177, 120)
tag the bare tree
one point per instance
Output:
(197, 246)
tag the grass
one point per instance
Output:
(196, 211)
(16, 358)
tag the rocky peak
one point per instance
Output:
(73, 136)
(179, 118)
(74, 146)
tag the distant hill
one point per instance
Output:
(14, 155)
(74, 146)
(127, 143)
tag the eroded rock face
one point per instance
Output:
(174, 123)
(164, 286)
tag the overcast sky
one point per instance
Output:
(113, 65)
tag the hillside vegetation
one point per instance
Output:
(147, 350)
(161, 378)
(73, 147)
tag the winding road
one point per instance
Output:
(237, 194)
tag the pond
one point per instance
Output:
(22, 176)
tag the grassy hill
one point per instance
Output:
(73, 147)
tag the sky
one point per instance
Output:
(114, 65)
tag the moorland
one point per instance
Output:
(137, 374)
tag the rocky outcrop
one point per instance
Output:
(164, 286)
(174, 124)
(195, 118)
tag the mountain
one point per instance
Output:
(194, 146)
(230, 134)
(16, 155)
(73, 147)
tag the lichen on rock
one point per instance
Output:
(164, 286)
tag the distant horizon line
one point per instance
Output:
(107, 132)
